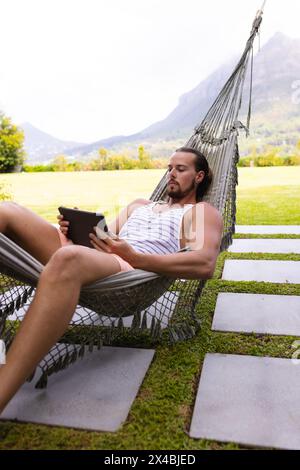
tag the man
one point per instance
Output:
(68, 268)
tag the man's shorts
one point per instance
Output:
(124, 266)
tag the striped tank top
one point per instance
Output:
(154, 232)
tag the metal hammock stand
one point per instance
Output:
(141, 301)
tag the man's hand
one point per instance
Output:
(63, 224)
(117, 246)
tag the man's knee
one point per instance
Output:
(11, 210)
(64, 265)
(8, 213)
(9, 206)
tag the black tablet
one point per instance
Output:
(82, 223)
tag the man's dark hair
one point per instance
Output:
(201, 164)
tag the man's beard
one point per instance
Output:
(177, 193)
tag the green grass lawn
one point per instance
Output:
(104, 191)
(265, 195)
(161, 414)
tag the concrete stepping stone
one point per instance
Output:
(269, 229)
(95, 393)
(255, 313)
(265, 246)
(287, 272)
(252, 401)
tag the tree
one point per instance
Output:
(99, 163)
(60, 163)
(144, 158)
(11, 145)
(102, 157)
(5, 193)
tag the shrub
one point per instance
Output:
(37, 168)
(5, 192)
(11, 146)
(268, 160)
(293, 160)
(245, 162)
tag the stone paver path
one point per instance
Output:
(257, 313)
(257, 245)
(250, 400)
(253, 401)
(262, 271)
(95, 393)
(269, 229)
(243, 399)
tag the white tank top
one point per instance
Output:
(154, 232)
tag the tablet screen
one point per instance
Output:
(82, 223)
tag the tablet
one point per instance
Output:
(82, 223)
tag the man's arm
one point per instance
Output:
(205, 233)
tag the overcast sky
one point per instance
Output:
(83, 70)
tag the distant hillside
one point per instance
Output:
(41, 147)
(276, 118)
(275, 115)
(161, 136)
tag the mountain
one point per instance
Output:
(276, 93)
(41, 147)
(275, 114)
(275, 110)
(175, 127)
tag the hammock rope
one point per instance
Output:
(139, 301)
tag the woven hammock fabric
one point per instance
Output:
(152, 303)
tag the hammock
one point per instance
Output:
(138, 301)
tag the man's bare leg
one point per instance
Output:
(49, 315)
(29, 230)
